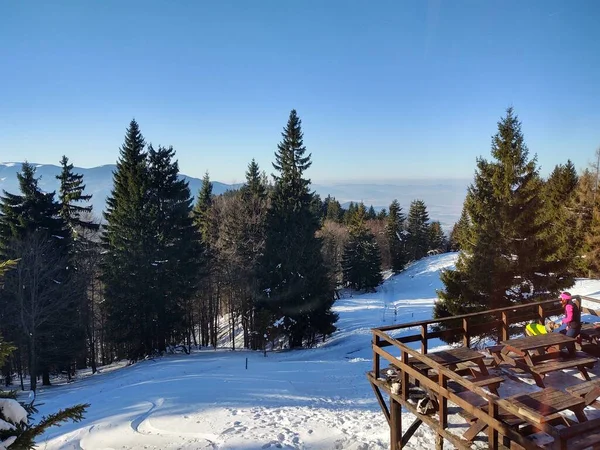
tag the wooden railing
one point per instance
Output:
(500, 320)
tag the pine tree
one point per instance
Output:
(126, 267)
(459, 231)
(295, 278)
(559, 193)
(176, 252)
(418, 230)
(506, 258)
(334, 210)
(70, 198)
(32, 230)
(371, 214)
(382, 214)
(394, 228)
(202, 208)
(583, 205)
(361, 261)
(437, 238)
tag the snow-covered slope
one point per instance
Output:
(309, 399)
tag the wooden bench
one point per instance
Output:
(554, 365)
(495, 351)
(589, 390)
(581, 435)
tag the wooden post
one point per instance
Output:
(405, 377)
(375, 343)
(439, 442)
(395, 424)
(505, 334)
(466, 336)
(541, 314)
(443, 412)
(424, 338)
(492, 432)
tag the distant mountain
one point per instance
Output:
(444, 198)
(98, 181)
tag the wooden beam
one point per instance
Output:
(395, 424)
(381, 401)
(411, 430)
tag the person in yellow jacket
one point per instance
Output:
(534, 329)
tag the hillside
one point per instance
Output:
(308, 399)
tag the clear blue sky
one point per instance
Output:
(386, 90)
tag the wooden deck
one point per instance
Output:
(460, 377)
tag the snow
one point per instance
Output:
(313, 399)
(13, 411)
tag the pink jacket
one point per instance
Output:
(568, 314)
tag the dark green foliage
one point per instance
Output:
(151, 249)
(417, 227)
(45, 325)
(202, 208)
(350, 212)
(334, 210)
(394, 230)
(506, 256)
(459, 231)
(437, 238)
(371, 214)
(361, 262)
(295, 281)
(382, 215)
(559, 194)
(71, 197)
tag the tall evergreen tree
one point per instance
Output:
(71, 197)
(361, 261)
(32, 230)
(437, 238)
(126, 267)
(584, 204)
(559, 194)
(459, 231)
(506, 258)
(334, 210)
(295, 279)
(418, 230)
(371, 214)
(176, 259)
(382, 215)
(394, 228)
(202, 207)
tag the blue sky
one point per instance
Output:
(386, 90)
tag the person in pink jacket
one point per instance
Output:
(572, 317)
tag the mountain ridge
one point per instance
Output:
(443, 197)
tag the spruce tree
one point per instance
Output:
(371, 214)
(506, 257)
(583, 205)
(32, 231)
(559, 194)
(71, 197)
(202, 208)
(394, 228)
(361, 261)
(437, 238)
(459, 230)
(297, 286)
(176, 258)
(418, 230)
(382, 215)
(334, 210)
(126, 267)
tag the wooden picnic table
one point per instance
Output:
(591, 333)
(534, 358)
(540, 406)
(453, 357)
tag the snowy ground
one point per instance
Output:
(309, 399)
